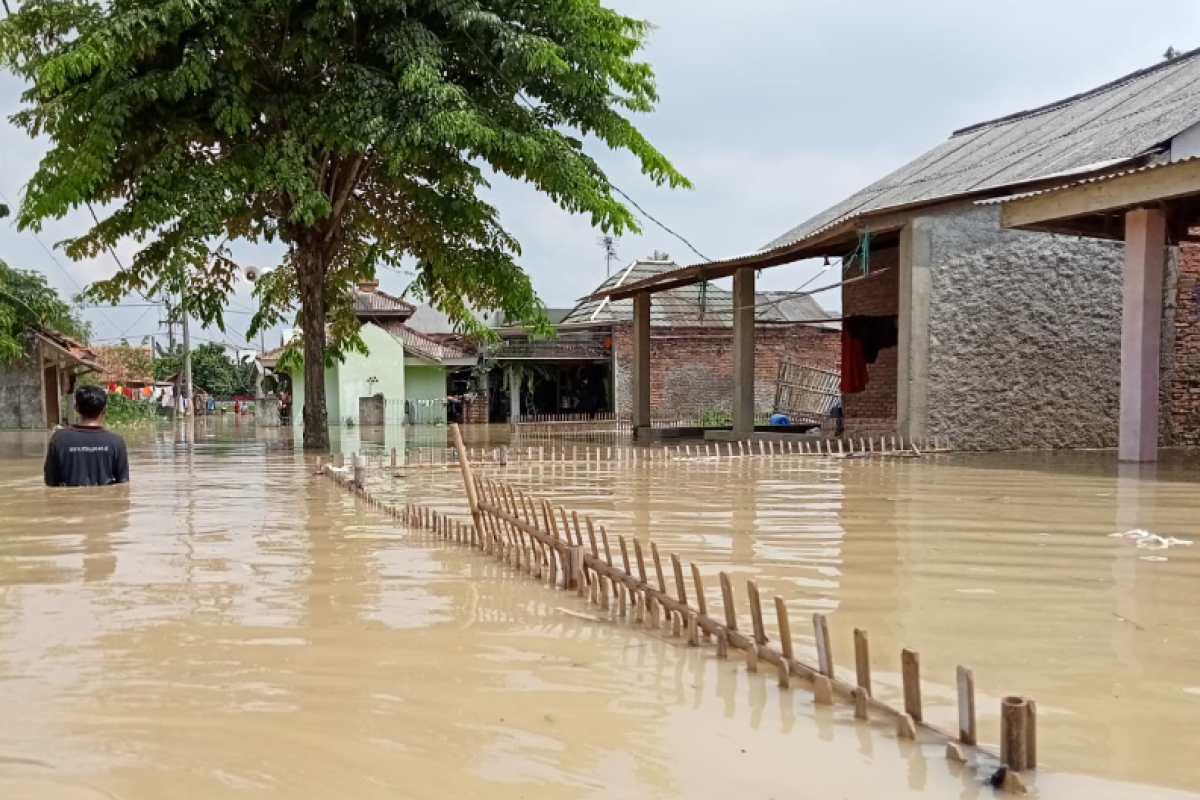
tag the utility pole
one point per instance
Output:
(189, 393)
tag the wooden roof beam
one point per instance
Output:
(1134, 190)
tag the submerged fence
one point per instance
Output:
(548, 543)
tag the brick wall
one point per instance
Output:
(873, 412)
(1183, 370)
(691, 369)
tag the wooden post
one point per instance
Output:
(701, 601)
(756, 617)
(824, 651)
(722, 644)
(822, 691)
(607, 548)
(730, 608)
(641, 561)
(910, 668)
(577, 576)
(468, 479)
(658, 569)
(752, 658)
(592, 539)
(862, 660)
(861, 708)
(1030, 734)
(624, 554)
(680, 589)
(966, 706)
(360, 472)
(1014, 719)
(785, 628)
(623, 598)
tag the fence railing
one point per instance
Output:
(415, 412)
(804, 392)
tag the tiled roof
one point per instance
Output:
(691, 306)
(73, 347)
(1098, 130)
(424, 346)
(372, 303)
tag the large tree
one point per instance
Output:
(360, 133)
(27, 301)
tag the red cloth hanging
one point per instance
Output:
(854, 365)
(125, 390)
(112, 388)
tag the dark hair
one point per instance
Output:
(90, 401)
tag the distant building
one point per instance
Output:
(35, 390)
(409, 368)
(115, 366)
(587, 367)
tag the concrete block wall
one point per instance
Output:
(1181, 374)
(21, 400)
(873, 412)
(1024, 335)
(691, 369)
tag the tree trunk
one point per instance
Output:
(312, 308)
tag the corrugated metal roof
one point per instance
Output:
(690, 306)
(1117, 122)
(992, 201)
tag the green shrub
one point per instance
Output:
(123, 411)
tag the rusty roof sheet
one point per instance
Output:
(1114, 123)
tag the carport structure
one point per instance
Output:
(1149, 209)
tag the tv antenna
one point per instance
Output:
(609, 243)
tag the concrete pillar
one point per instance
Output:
(916, 285)
(743, 353)
(514, 395)
(641, 361)
(1141, 332)
(266, 412)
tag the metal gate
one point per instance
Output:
(806, 393)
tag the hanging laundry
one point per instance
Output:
(854, 366)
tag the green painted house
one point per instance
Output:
(408, 367)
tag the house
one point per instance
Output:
(410, 369)
(35, 390)
(588, 367)
(124, 365)
(961, 328)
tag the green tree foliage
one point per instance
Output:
(27, 301)
(212, 370)
(359, 133)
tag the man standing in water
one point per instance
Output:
(86, 454)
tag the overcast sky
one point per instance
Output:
(776, 109)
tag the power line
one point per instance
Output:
(70, 277)
(615, 188)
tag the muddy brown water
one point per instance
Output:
(230, 626)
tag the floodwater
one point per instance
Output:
(232, 627)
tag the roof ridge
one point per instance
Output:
(1066, 101)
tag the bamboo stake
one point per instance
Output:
(824, 651)
(681, 590)
(701, 600)
(760, 633)
(785, 628)
(861, 709)
(722, 644)
(624, 554)
(862, 660)
(1030, 734)
(1014, 719)
(607, 548)
(641, 561)
(910, 667)
(592, 538)
(966, 706)
(468, 479)
(658, 569)
(822, 691)
(727, 597)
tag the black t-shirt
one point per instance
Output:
(86, 456)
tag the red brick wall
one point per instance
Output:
(691, 369)
(873, 412)
(1184, 388)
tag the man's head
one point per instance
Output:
(91, 402)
